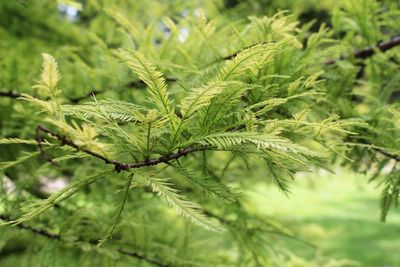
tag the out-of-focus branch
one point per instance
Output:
(10, 94)
(50, 235)
(361, 54)
(370, 51)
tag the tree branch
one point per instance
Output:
(379, 150)
(10, 94)
(387, 154)
(119, 166)
(31, 229)
(370, 51)
(58, 237)
(361, 54)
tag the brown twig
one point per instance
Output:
(119, 166)
(54, 236)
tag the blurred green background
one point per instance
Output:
(338, 214)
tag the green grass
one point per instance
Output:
(337, 213)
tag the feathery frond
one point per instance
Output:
(200, 97)
(151, 76)
(115, 110)
(8, 164)
(40, 206)
(247, 59)
(110, 231)
(207, 183)
(390, 194)
(50, 76)
(266, 141)
(183, 207)
(277, 176)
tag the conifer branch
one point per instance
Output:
(243, 94)
(376, 149)
(93, 242)
(141, 257)
(41, 232)
(10, 94)
(119, 166)
(386, 154)
(65, 141)
(361, 54)
(369, 51)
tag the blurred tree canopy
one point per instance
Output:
(130, 130)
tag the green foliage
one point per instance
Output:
(148, 74)
(184, 107)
